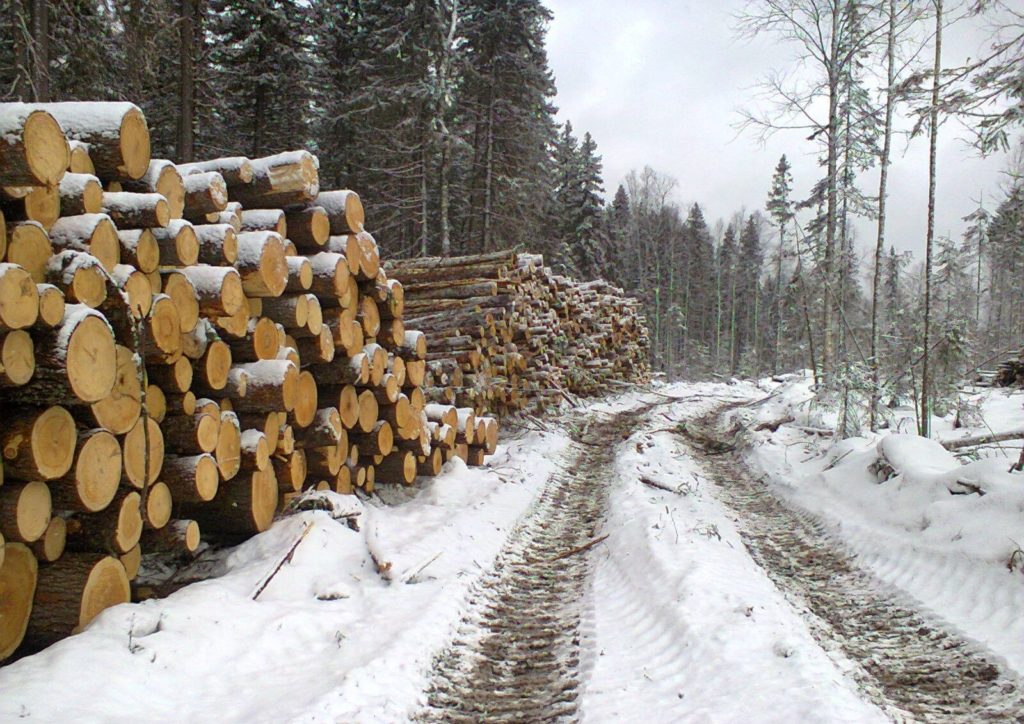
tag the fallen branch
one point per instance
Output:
(965, 488)
(773, 425)
(659, 486)
(410, 578)
(982, 439)
(383, 567)
(580, 549)
(288, 556)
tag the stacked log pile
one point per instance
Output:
(509, 335)
(184, 347)
(1010, 372)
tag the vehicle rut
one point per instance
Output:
(911, 666)
(517, 653)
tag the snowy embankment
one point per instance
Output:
(327, 639)
(943, 530)
(682, 625)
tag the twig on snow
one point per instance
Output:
(410, 577)
(579, 549)
(287, 558)
(660, 486)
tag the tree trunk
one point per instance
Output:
(925, 422)
(827, 353)
(186, 89)
(486, 244)
(883, 192)
(40, 51)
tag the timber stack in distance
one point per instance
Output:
(185, 347)
(508, 335)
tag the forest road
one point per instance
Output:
(905, 662)
(517, 652)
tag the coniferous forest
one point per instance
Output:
(443, 111)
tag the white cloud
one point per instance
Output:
(659, 83)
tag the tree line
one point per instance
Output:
(442, 113)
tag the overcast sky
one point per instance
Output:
(660, 82)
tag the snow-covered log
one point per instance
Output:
(281, 180)
(130, 210)
(116, 133)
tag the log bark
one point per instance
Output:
(79, 276)
(177, 538)
(80, 193)
(278, 181)
(218, 243)
(235, 170)
(308, 228)
(344, 209)
(130, 210)
(38, 444)
(71, 592)
(177, 242)
(243, 508)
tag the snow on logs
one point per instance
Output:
(507, 334)
(183, 348)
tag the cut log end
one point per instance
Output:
(18, 573)
(134, 142)
(47, 154)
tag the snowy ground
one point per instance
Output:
(677, 621)
(921, 530)
(683, 625)
(327, 640)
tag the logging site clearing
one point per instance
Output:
(365, 399)
(674, 553)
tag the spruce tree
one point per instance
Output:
(728, 264)
(748, 293)
(780, 209)
(261, 73)
(506, 113)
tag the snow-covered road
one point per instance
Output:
(612, 569)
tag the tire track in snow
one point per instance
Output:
(907, 664)
(517, 653)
